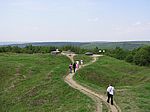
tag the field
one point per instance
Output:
(34, 83)
(132, 83)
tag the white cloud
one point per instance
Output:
(137, 23)
(138, 28)
(20, 3)
(117, 29)
(29, 5)
(35, 28)
(93, 19)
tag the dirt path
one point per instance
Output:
(98, 98)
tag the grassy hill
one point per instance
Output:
(132, 82)
(34, 83)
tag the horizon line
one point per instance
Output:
(72, 41)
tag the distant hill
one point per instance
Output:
(58, 44)
(101, 45)
(10, 43)
(125, 45)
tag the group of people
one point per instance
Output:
(75, 66)
(110, 88)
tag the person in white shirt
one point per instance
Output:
(81, 62)
(110, 93)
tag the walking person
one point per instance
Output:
(77, 65)
(81, 62)
(110, 93)
(70, 68)
(74, 67)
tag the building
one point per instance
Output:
(89, 53)
(55, 52)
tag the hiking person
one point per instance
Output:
(70, 68)
(81, 62)
(110, 93)
(74, 67)
(77, 65)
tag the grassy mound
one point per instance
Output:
(131, 82)
(34, 82)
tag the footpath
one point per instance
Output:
(98, 98)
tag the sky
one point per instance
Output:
(74, 20)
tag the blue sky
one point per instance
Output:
(74, 20)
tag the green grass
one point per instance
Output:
(34, 83)
(132, 82)
(86, 59)
(104, 108)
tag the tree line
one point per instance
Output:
(41, 49)
(139, 56)
(28, 49)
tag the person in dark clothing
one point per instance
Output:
(70, 67)
(74, 67)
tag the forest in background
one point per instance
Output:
(139, 56)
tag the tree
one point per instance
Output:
(129, 58)
(16, 49)
(120, 53)
(96, 50)
(142, 56)
(29, 49)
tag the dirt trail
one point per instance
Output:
(98, 98)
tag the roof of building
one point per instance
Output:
(88, 53)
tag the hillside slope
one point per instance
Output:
(131, 82)
(35, 83)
